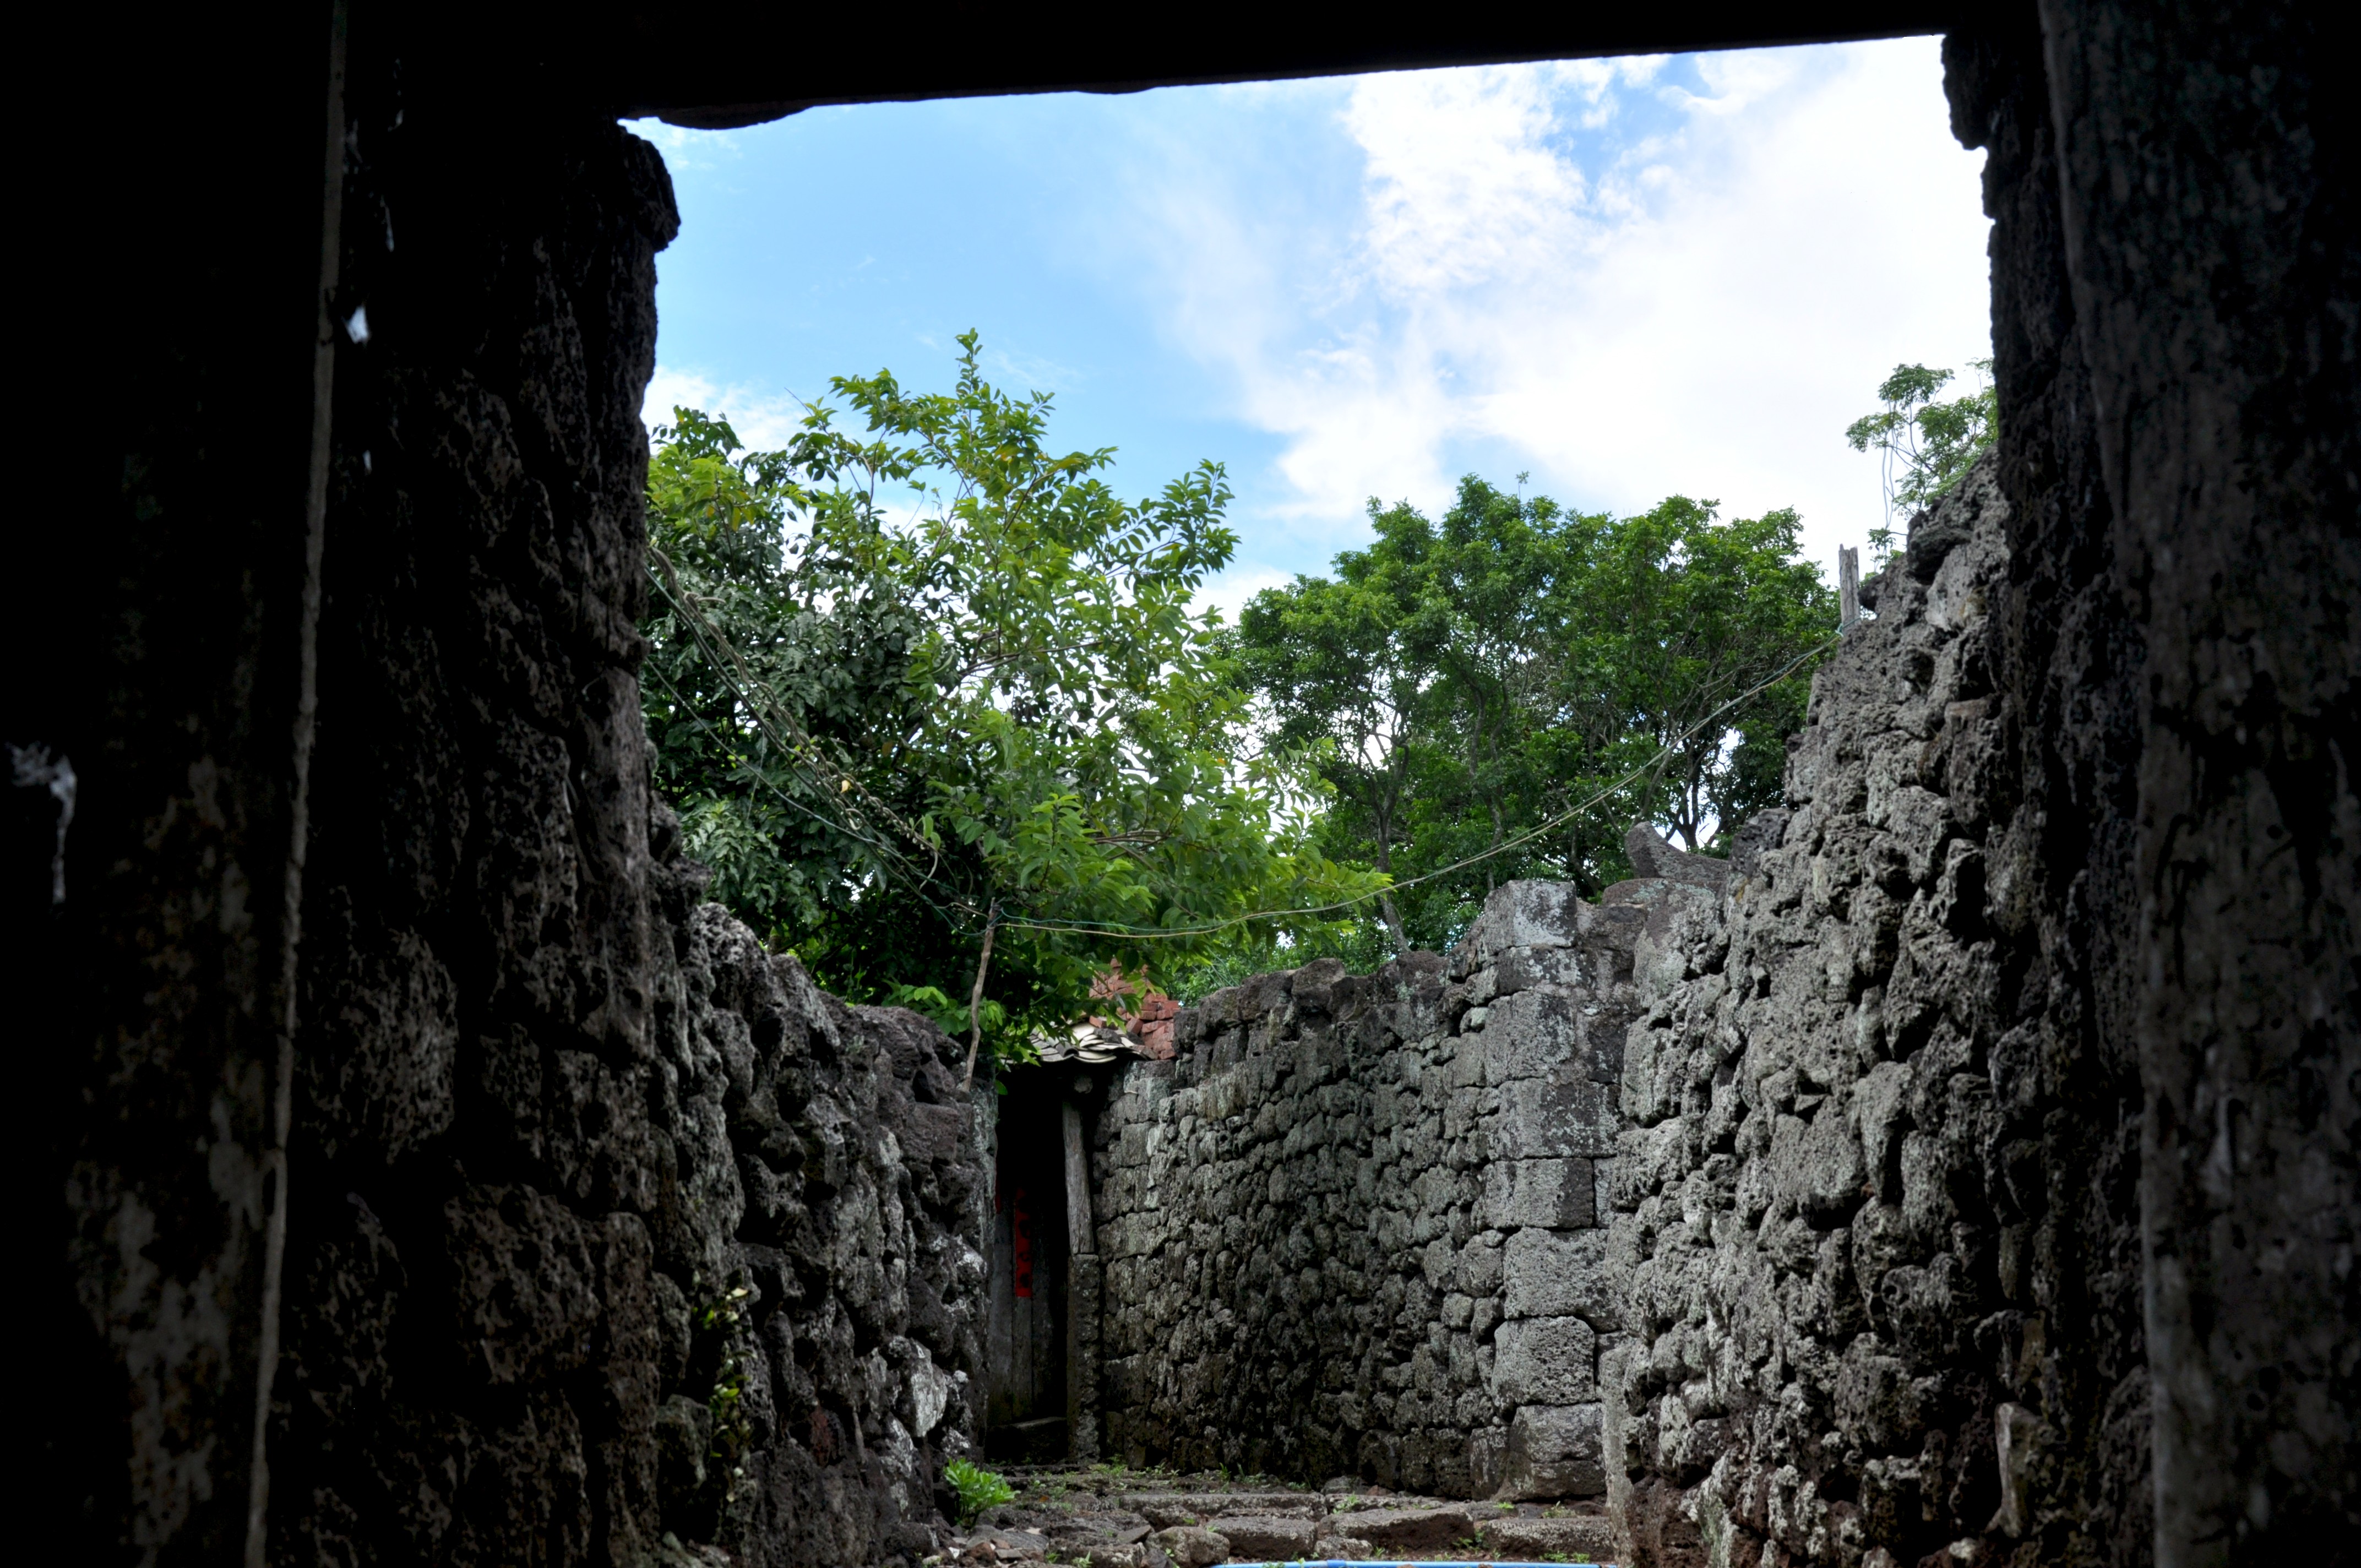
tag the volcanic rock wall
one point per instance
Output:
(2178, 355)
(1354, 1227)
(1877, 1214)
(608, 1226)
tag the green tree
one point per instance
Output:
(1479, 688)
(1340, 684)
(934, 707)
(1682, 613)
(1923, 444)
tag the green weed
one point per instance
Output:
(978, 1488)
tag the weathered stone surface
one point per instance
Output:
(1545, 1361)
(1259, 1538)
(1554, 1274)
(1191, 1546)
(2216, 297)
(1008, 1546)
(2150, 819)
(1163, 1508)
(1097, 1543)
(1409, 1531)
(1555, 1451)
(1328, 1224)
(1520, 914)
(1584, 1539)
(1876, 1187)
(1554, 1194)
(1653, 857)
(614, 1226)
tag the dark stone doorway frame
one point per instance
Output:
(2179, 291)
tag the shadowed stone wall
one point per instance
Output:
(613, 1231)
(1878, 1207)
(2177, 326)
(1876, 1224)
(2091, 918)
(1353, 1229)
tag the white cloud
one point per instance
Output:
(1463, 184)
(684, 149)
(1701, 310)
(764, 421)
(1230, 591)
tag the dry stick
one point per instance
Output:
(975, 1001)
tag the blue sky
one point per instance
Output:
(1627, 278)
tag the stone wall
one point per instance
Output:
(606, 1227)
(1876, 1215)
(2176, 338)
(1353, 1229)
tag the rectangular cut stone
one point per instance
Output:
(1566, 1114)
(1257, 1538)
(1645, 1096)
(1532, 1034)
(1555, 1451)
(1164, 1510)
(1407, 1530)
(1520, 969)
(1554, 1194)
(1604, 1029)
(1545, 1361)
(1501, 1194)
(1582, 1539)
(1518, 914)
(1552, 1274)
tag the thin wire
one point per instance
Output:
(892, 859)
(1669, 748)
(1156, 933)
(698, 628)
(915, 885)
(845, 779)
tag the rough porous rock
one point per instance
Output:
(612, 1226)
(1191, 1546)
(1265, 1536)
(393, 1207)
(1354, 1225)
(1412, 1531)
(1874, 1216)
(1589, 1538)
(1653, 857)
(1084, 1515)
(1162, 1508)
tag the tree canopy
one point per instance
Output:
(937, 683)
(935, 708)
(1482, 687)
(1924, 443)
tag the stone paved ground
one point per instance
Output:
(1107, 1517)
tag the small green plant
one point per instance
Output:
(978, 1488)
(1924, 445)
(733, 1425)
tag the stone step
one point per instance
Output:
(1163, 1509)
(1404, 1530)
(1585, 1537)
